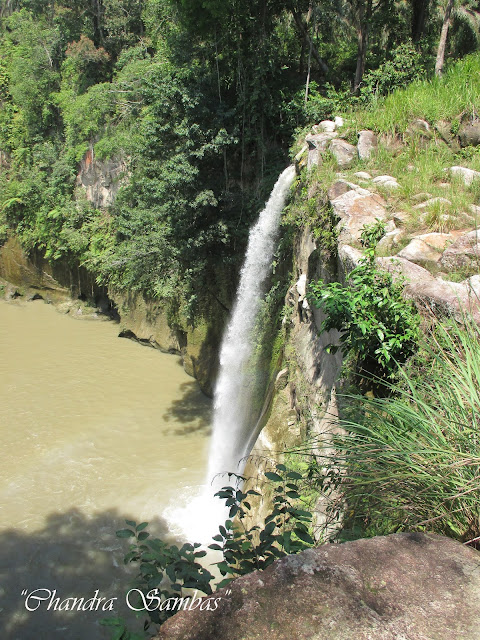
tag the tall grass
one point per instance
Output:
(411, 461)
(437, 99)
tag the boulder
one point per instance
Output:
(406, 586)
(348, 257)
(343, 151)
(327, 125)
(386, 181)
(432, 201)
(339, 187)
(355, 210)
(420, 252)
(438, 241)
(444, 128)
(363, 175)
(463, 253)
(366, 145)
(469, 134)
(317, 145)
(468, 175)
(437, 296)
(473, 284)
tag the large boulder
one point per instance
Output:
(469, 134)
(467, 175)
(355, 210)
(399, 587)
(343, 152)
(463, 253)
(420, 252)
(444, 128)
(435, 295)
(389, 182)
(366, 145)
(427, 248)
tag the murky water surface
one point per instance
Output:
(94, 430)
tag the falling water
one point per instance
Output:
(233, 391)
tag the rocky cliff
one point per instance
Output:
(403, 586)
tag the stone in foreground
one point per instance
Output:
(403, 586)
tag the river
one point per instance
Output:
(95, 430)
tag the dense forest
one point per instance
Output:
(200, 99)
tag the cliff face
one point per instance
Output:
(432, 246)
(74, 289)
(101, 180)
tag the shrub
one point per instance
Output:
(379, 327)
(168, 571)
(404, 67)
(411, 461)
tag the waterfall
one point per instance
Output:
(233, 391)
(232, 431)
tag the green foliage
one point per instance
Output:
(285, 529)
(158, 560)
(309, 207)
(166, 571)
(404, 66)
(411, 460)
(379, 327)
(444, 98)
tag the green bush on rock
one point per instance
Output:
(379, 327)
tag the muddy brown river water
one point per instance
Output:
(94, 430)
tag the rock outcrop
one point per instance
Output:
(469, 134)
(101, 180)
(399, 587)
(366, 145)
(356, 209)
(343, 151)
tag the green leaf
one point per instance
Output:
(143, 535)
(294, 475)
(273, 476)
(304, 536)
(125, 533)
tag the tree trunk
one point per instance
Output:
(364, 16)
(419, 18)
(307, 84)
(303, 31)
(443, 39)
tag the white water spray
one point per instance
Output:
(231, 437)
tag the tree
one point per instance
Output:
(443, 38)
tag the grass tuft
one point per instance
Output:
(412, 461)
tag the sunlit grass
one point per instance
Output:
(412, 461)
(433, 100)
